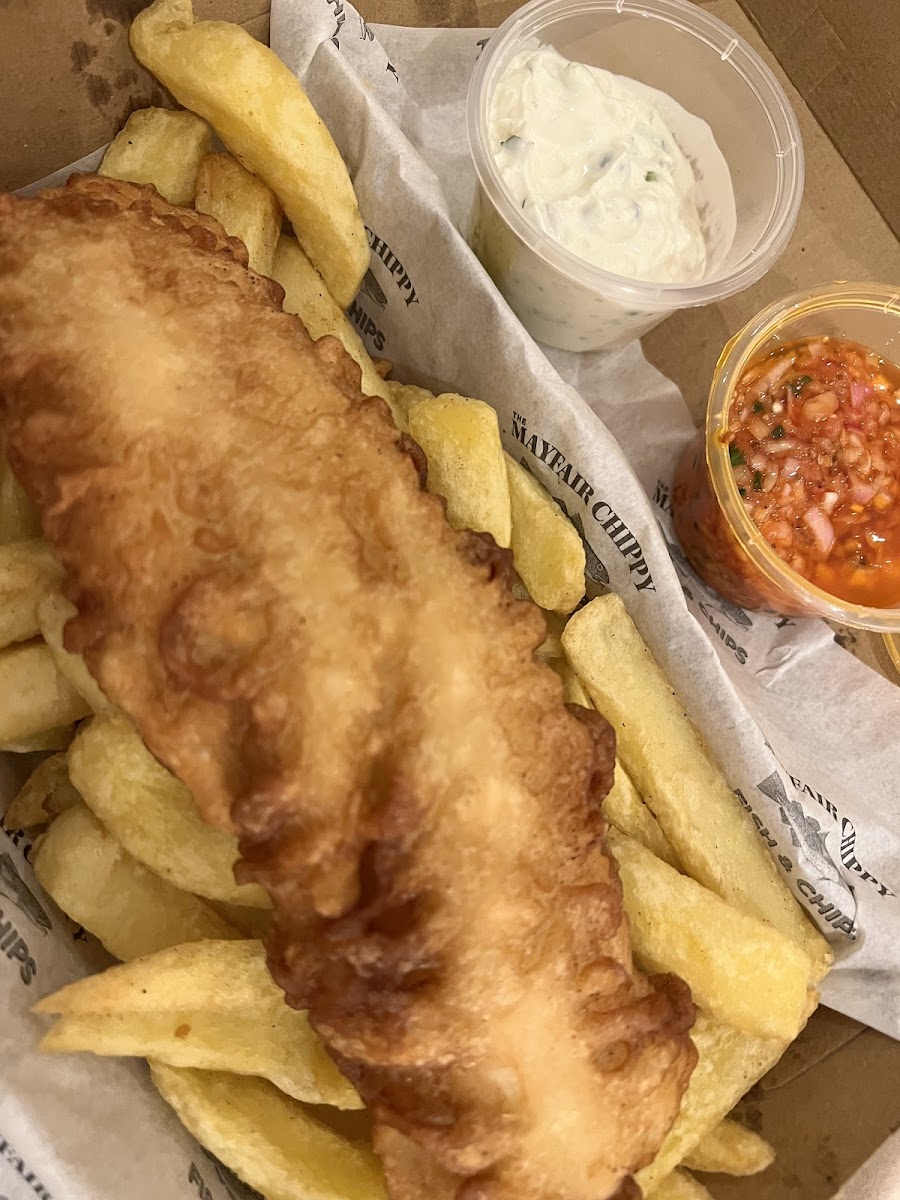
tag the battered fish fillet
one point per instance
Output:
(264, 586)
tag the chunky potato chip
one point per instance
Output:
(738, 968)
(211, 1005)
(252, 922)
(269, 1140)
(34, 696)
(56, 738)
(126, 907)
(28, 570)
(264, 117)
(244, 206)
(680, 1186)
(404, 396)
(45, 794)
(306, 295)
(547, 551)
(161, 146)
(625, 809)
(54, 612)
(665, 756)
(730, 1149)
(728, 1065)
(461, 440)
(152, 814)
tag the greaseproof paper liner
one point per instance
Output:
(803, 731)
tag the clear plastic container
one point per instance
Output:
(676, 47)
(716, 533)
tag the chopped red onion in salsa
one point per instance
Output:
(814, 443)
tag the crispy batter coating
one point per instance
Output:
(264, 586)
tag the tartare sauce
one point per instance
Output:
(589, 159)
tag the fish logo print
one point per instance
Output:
(806, 833)
(14, 888)
(725, 607)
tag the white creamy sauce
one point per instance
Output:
(590, 161)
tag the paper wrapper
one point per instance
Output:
(804, 732)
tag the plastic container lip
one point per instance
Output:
(529, 22)
(736, 356)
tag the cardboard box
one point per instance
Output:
(67, 86)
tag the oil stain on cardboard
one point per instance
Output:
(103, 67)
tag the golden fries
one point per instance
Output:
(152, 814)
(211, 1005)
(404, 396)
(738, 968)
(28, 570)
(252, 922)
(728, 1065)
(126, 907)
(269, 1140)
(264, 117)
(306, 295)
(573, 688)
(45, 794)
(680, 1186)
(56, 738)
(461, 440)
(160, 146)
(673, 771)
(34, 696)
(54, 611)
(624, 808)
(730, 1149)
(19, 520)
(244, 206)
(547, 551)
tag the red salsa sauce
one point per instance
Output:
(813, 438)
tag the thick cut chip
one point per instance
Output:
(244, 206)
(624, 808)
(731, 1149)
(728, 1065)
(19, 519)
(161, 146)
(466, 464)
(152, 814)
(306, 295)
(54, 611)
(680, 1186)
(28, 571)
(547, 551)
(404, 396)
(34, 696)
(665, 756)
(269, 1140)
(210, 1005)
(739, 969)
(57, 738)
(573, 689)
(101, 887)
(252, 922)
(45, 794)
(264, 117)
(551, 648)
